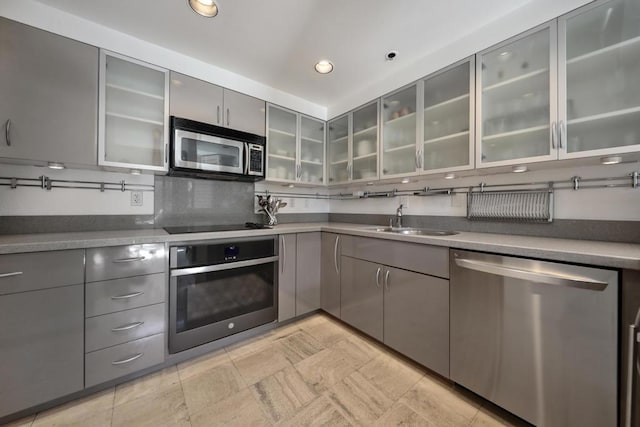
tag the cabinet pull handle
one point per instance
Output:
(631, 375)
(127, 327)
(132, 259)
(284, 253)
(218, 114)
(131, 359)
(127, 296)
(7, 132)
(386, 280)
(335, 254)
(554, 135)
(421, 159)
(15, 273)
(228, 120)
(378, 277)
(166, 153)
(561, 132)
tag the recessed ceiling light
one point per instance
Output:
(519, 169)
(206, 8)
(611, 160)
(324, 66)
(450, 176)
(391, 55)
(55, 165)
(405, 181)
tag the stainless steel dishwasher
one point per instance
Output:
(537, 338)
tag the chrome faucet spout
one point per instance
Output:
(399, 216)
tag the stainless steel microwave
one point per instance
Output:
(207, 151)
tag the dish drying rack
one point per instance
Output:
(516, 205)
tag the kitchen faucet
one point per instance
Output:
(399, 217)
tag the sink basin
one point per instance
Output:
(416, 231)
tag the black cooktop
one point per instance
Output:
(212, 228)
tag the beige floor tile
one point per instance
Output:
(299, 346)
(201, 364)
(94, 410)
(496, 418)
(392, 375)
(212, 386)
(320, 412)
(22, 422)
(283, 394)
(258, 365)
(250, 345)
(240, 410)
(285, 331)
(328, 333)
(440, 404)
(357, 351)
(402, 415)
(359, 400)
(149, 384)
(325, 368)
(315, 319)
(167, 408)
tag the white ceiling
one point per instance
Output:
(277, 42)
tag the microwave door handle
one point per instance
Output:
(246, 158)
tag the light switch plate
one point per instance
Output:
(136, 198)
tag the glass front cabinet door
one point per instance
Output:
(364, 142)
(282, 144)
(599, 79)
(338, 150)
(311, 165)
(448, 138)
(516, 100)
(399, 124)
(134, 110)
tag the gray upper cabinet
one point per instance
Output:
(287, 277)
(416, 317)
(195, 99)
(244, 112)
(330, 273)
(202, 101)
(362, 296)
(49, 93)
(307, 272)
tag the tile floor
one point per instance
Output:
(312, 372)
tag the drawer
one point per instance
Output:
(113, 362)
(123, 294)
(40, 270)
(432, 260)
(123, 326)
(125, 261)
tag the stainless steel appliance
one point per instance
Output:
(220, 288)
(537, 338)
(208, 151)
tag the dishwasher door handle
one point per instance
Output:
(546, 277)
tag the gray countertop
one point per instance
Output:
(617, 255)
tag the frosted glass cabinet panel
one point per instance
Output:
(448, 120)
(600, 79)
(282, 140)
(516, 99)
(399, 132)
(338, 148)
(311, 151)
(365, 143)
(134, 107)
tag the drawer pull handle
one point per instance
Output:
(131, 359)
(127, 327)
(127, 296)
(132, 259)
(15, 273)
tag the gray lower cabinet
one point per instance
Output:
(287, 277)
(125, 261)
(361, 303)
(41, 346)
(330, 274)
(307, 272)
(416, 317)
(49, 93)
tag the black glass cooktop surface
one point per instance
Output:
(213, 228)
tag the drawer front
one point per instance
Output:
(40, 270)
(124, 294)
(124, 326)
(432, 260)
(123, 359)
(125, 261)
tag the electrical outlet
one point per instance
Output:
(136, 198)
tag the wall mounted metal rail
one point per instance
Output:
(46, 183)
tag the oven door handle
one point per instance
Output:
(221, 267)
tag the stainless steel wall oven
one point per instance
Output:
(220, 288)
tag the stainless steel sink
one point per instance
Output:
(416, 231)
